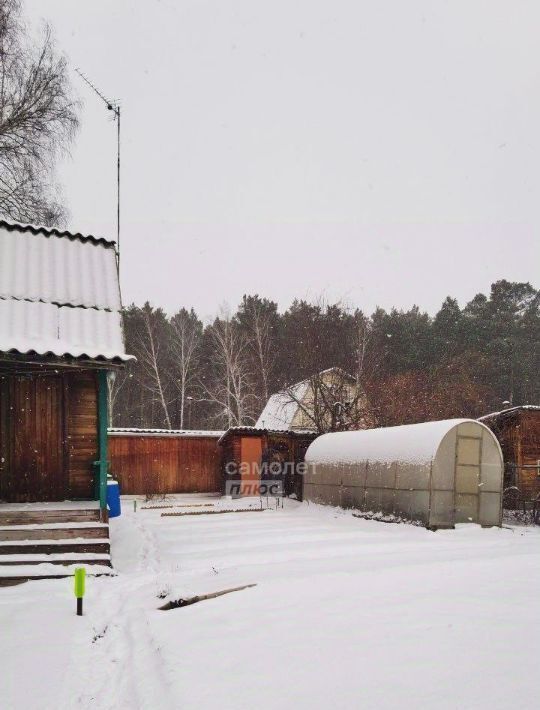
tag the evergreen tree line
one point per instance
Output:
(414, 367)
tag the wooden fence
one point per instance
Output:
(148, 463)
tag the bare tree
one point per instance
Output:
(38, 119)
(149, 345)
(256, 317)
(185, 342)
(231, 389)
(367, 357)
(115, 383)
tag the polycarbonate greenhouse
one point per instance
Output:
(437, 473)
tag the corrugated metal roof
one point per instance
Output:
(59, 293)
(185, 433)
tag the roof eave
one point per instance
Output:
(35, 357)
(53, 231)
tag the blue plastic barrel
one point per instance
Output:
(113, 498)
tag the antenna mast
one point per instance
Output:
(113, 106)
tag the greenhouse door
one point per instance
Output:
(468, 460)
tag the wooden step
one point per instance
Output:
(36, 547)
(24, 517)
(63, 558)
(48, 541)
(13, 580)
(11, 575)
(54, 532)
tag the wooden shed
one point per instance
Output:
(246, 449)
(162, 461)
(60, 336)
(518, 432)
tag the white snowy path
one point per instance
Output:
(346, 614)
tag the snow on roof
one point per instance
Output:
(411, 443)
(281, 408)
(59, 293)
(185, 433)
(510, 410)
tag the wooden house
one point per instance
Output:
(60, 336)
(518, 432)
(327, 401)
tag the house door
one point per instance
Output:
(32, 461)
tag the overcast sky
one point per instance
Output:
(378, 152)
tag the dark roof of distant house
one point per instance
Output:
(258, 431)
(509, 411)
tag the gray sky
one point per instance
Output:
(379, 152)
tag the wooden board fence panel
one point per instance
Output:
(147, 465)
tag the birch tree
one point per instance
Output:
(115, 383)
(258, 317)
(230, 389)
(38, 119)
(150, 345)
(186, 332)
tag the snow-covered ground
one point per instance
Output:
(347, 613)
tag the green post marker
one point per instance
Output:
(80, 576)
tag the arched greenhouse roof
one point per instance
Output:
(409, 444)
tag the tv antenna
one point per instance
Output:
(113, 106)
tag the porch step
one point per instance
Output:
(54, 531)
(47, 546)
(17, 574)
(25, 517)
(48, 541)
(59, 558)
